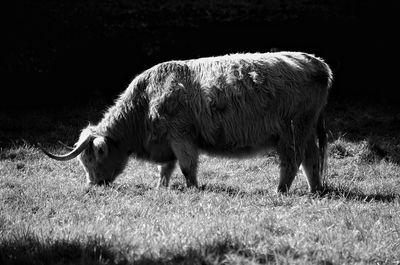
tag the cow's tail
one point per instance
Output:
(322, 144)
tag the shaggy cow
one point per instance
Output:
(233, 105)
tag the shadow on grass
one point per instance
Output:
(220, 252)
(132, 189)
(230, 191)
(353, 194)
(329, 192)
(29, 249)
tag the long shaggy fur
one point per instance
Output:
(231, 105)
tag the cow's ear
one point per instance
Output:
(100, 148)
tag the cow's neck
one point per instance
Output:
(125, 121)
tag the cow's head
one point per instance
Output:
(99, 155)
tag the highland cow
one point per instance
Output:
(234, 105)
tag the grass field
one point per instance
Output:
(48, 217)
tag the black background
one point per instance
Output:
(74, 52)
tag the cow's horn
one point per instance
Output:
(74, 153)
(66, 146)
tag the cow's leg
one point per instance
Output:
(289, 165)
(311, 165)
(165, 173)
(187, 155)
(291, 152)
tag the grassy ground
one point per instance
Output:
(47, 217)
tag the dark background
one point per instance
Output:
(73, 52)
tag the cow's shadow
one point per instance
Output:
(331, 192)
(354, 194)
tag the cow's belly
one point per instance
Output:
(160, 152)
(238, 148)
